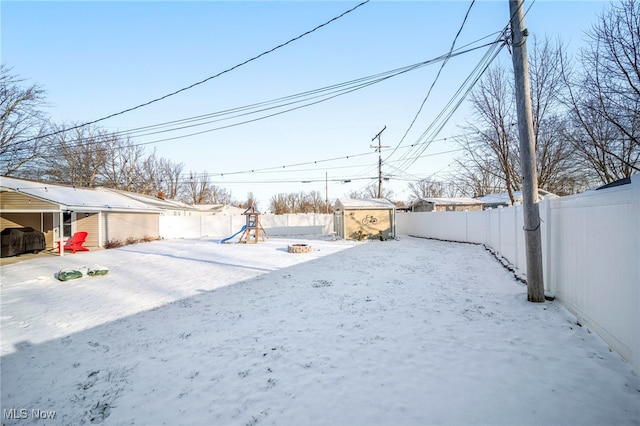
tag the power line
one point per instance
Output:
(290, 166)
(298, 179)
(325, 93)
(424, 101)
(479, 70)
(206, 79)
(454, 103)
(219, 177)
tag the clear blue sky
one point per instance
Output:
(98, 58)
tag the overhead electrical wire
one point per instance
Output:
(447, 112)
(371, 177)
(289, 167)
(325, 93)
(493, 44)
(435, 80)
(456, 100)
(266, 52)
(451, 107)
(423, 142)
(454, 103)
(309, 97)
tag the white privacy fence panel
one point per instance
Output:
(476, 229)
(297, 224)
(590, 249)
(402, 223)
(221, 226)
(593, 262)
(452, 226)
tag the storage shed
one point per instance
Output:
(59, 211)
(455, 204)
(368, 218)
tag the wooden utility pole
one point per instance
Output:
(532, 234)
(379, 149)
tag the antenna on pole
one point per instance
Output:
(379, 149)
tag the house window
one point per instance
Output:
(66, 224)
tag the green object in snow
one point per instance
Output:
(69, 274)
(98, 270)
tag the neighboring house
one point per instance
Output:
(493, 201)
(458, 204)
(369, 218)
(59, 211)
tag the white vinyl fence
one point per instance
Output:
(591, 249)
(591, 254)
(220, 226)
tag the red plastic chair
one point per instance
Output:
(75, 243)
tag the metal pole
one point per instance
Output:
(533, 240)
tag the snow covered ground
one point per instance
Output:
(405, 332)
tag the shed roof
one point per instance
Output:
(70, 198)
(365, 204)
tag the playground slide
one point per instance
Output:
(228, 238)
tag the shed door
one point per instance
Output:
(338, 224)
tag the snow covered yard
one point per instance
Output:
(411, 332)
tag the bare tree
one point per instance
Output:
(78, 156)
(427, 188)
(279, 204)
(170, 177)
(558, 167)
(293, 201)
(475, 176)
(220, 195)
(491, 140)
(121, 169)
(150, 176)
(22, 122)
(198, 188)
(300, 202)
(160, 177)
(316, 202)
(604, 100)
(492, 160)
(250, 201)
(371, 191)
